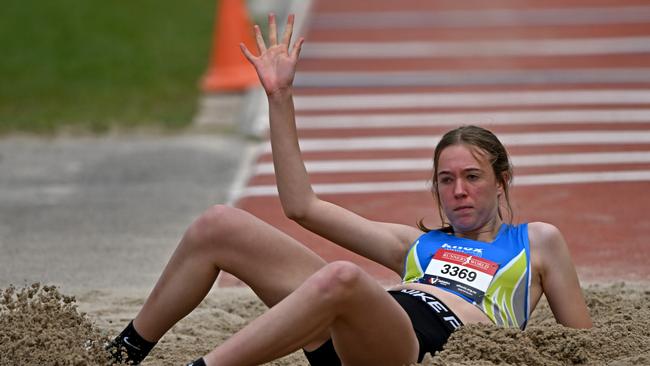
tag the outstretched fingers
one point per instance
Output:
(273, 37)
(275, 65)
(273, 30)
(248, 54)
(261, 46)
(295, 52)
(288, 31)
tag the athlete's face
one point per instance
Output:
(468, 190)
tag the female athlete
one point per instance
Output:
(478, 268)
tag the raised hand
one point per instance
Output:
(275, 65)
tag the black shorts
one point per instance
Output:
(432, 322)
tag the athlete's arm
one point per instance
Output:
(381, 242)
(559, 279)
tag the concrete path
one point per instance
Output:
(105, 213)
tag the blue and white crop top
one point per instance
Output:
(495, 276)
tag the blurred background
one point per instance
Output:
(92, 66)
(564, 84)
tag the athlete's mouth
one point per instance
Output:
(459, 208)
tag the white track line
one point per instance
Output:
(242, 175)
(483, 48)
(358, 79)
(399, 165)
(509, 139)
(476, 99)
(482, 18)
(419, 186)
(552, 117)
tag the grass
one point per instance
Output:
(96, 65)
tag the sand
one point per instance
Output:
(39, 325)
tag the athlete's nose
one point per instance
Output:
(459, 188)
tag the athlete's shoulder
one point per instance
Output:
(544, 235)
(543, 229)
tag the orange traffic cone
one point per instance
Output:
(229, 70)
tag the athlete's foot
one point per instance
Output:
(198, 362)
(129, 347)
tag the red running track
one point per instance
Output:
(566, 85)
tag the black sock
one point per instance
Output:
(129, 347)
(198, 362)
(325, 355)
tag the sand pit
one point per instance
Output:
(39, 325)
(621, 336)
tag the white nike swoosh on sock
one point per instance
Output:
(126, 340)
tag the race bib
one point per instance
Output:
(462, 273)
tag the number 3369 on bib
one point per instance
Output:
(461, 273)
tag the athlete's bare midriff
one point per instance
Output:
(466, 312)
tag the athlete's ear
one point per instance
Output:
(502, 183)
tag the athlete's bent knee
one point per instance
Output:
(337, 280)
(214, 226)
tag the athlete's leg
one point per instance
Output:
(225, 238)
(368, 327)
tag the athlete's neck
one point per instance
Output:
(485, 233)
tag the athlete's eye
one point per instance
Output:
(472, 177)
(445, 180)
